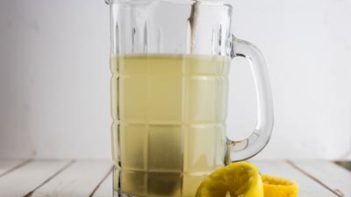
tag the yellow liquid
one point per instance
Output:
(169, 122)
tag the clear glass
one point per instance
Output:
(170, 61)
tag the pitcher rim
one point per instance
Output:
(226, 3)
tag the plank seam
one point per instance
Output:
(336, 191)
(103, 180)
(16, 167)
(29, 194)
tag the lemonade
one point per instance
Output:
(169, 122)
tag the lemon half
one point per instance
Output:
(238, 179)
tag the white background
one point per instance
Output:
(54, 77)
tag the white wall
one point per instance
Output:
(54, 77)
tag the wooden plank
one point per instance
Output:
(9, 165)
(23, 180)
(106, 188)
(308, 187)
(329, 174)
(80, 179)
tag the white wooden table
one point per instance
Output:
(94, 178)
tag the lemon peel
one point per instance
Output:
(279, 187)
(242, 179)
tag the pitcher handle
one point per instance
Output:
(249, 147)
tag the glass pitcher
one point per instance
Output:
(170, 61)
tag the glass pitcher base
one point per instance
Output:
(129, 183)
(120, 194)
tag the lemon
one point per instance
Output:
(279, 187)
(239, 179)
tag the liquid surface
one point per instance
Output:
(169, 122)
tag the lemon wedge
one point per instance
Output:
(279, 187)
(240, 179)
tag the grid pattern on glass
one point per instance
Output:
(171, 122)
